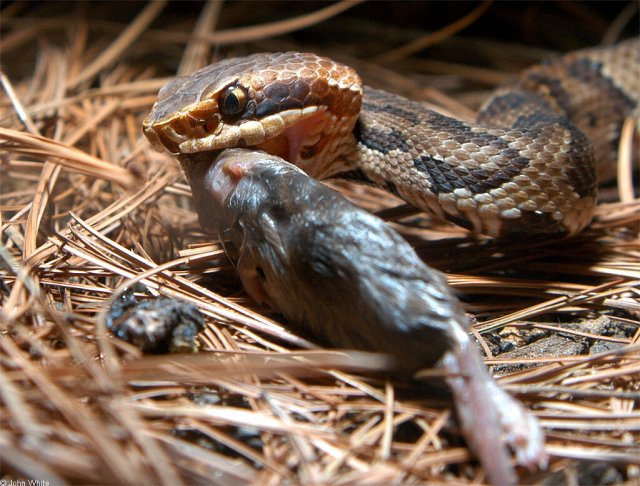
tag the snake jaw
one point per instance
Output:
(307, 137)
(270, 131)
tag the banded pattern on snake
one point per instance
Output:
(528, 167)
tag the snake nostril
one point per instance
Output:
(211, 125)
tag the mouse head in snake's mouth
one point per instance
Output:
(300, 107)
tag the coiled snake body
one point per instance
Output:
(528, 166)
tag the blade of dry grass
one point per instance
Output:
(434, 37)
(119, 45)
(257, 32)
(67, 156)
(196, 52)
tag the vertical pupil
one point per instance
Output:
(231, 103)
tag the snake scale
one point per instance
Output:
(528, 167)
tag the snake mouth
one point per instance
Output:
(298, 141)
(293, 135)
(296, 135)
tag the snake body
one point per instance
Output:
(527, 167)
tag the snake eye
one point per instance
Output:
(233, 100)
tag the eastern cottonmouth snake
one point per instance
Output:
(534, 174)
(321, 261)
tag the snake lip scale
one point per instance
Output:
(527, 168)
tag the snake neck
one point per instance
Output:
(495, 181)
(527, 167)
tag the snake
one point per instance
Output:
(254, 133)
(528, 166)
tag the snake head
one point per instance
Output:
(301, 107)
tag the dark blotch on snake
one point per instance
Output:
(445, 178)
(555, 87)
(267, 107)
(300, 90)
(617, 99)
(381, 141)
(411, 118)
(276, 91)
(249, 111)
(583, 68)
(291, 103)
(535, 119)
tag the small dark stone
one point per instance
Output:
(156, 325)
